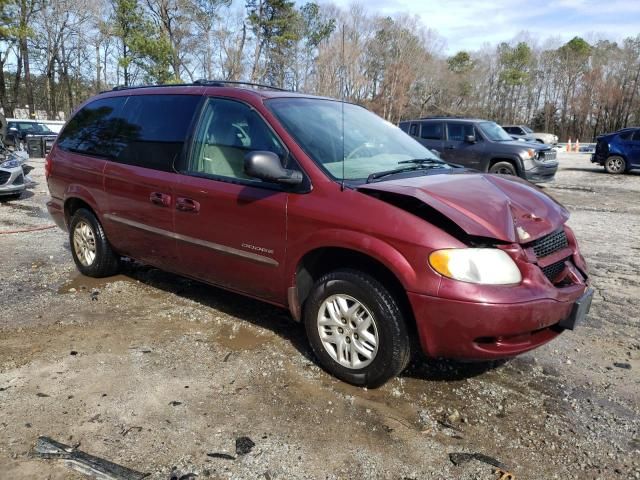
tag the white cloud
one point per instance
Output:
(468, 24)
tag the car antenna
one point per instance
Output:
(343, 69)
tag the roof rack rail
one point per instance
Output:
(200, 83)
(133, 87)
(222, 83)
(442, 116)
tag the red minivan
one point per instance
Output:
(323, 208)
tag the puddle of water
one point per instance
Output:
(81, 283)
(238, 338)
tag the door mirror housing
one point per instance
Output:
(470, 138)
(266, 166)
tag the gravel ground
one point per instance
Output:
(157, 372)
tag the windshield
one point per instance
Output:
(42, 128)
(495, 132)
(31, 127)
(371, 144)
(527, 129)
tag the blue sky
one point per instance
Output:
(468, 24)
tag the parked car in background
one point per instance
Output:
(54, 125)
(524, 132)
(618, 152)
(483, 145)
(520, 132)
(12, 173)
(31, 135)
(323, 208)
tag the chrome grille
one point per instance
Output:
(548, 155)
(4, 176)
(550, 243)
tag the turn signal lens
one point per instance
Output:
(486, 266)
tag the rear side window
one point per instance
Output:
(156, 127)
(142, 130)
(96, 130)
(431, 131)
(636, 136)
(457, 131)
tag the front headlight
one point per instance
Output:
(10, 164)
(487, 266)
(530, 153)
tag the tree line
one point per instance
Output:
(56, 53)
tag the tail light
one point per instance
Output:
(48, 164)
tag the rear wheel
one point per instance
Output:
(356, 328)
(615, 164)
(90, 248)
(503, 168)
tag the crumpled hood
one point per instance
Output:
(494, 206)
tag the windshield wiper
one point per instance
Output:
(423, 161)
(421, 166)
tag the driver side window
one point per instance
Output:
(228, 130)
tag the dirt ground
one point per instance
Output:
(154, 372)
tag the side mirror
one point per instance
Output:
(435, 152)
(266, 166)
(470, 138)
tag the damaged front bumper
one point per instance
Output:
(480, 322)
(485, 331)
(11, 181)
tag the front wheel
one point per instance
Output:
(90, 248)
(503, 168)
(615, 164)
(356, 328)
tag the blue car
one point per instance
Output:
(618, 152)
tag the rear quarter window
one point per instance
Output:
(97, 129)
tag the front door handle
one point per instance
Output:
(160, 199)
(187, 205)
(449, 147)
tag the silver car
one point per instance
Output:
(522, 132)
(12, 178)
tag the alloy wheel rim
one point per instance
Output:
(504, 171)
(84, 243)
(348, 331)
(615, 164)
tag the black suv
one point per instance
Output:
(483, 145)
(35, 137)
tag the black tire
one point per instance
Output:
(106, 262)
(503, 168)
(615, 164)
(393, 351)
